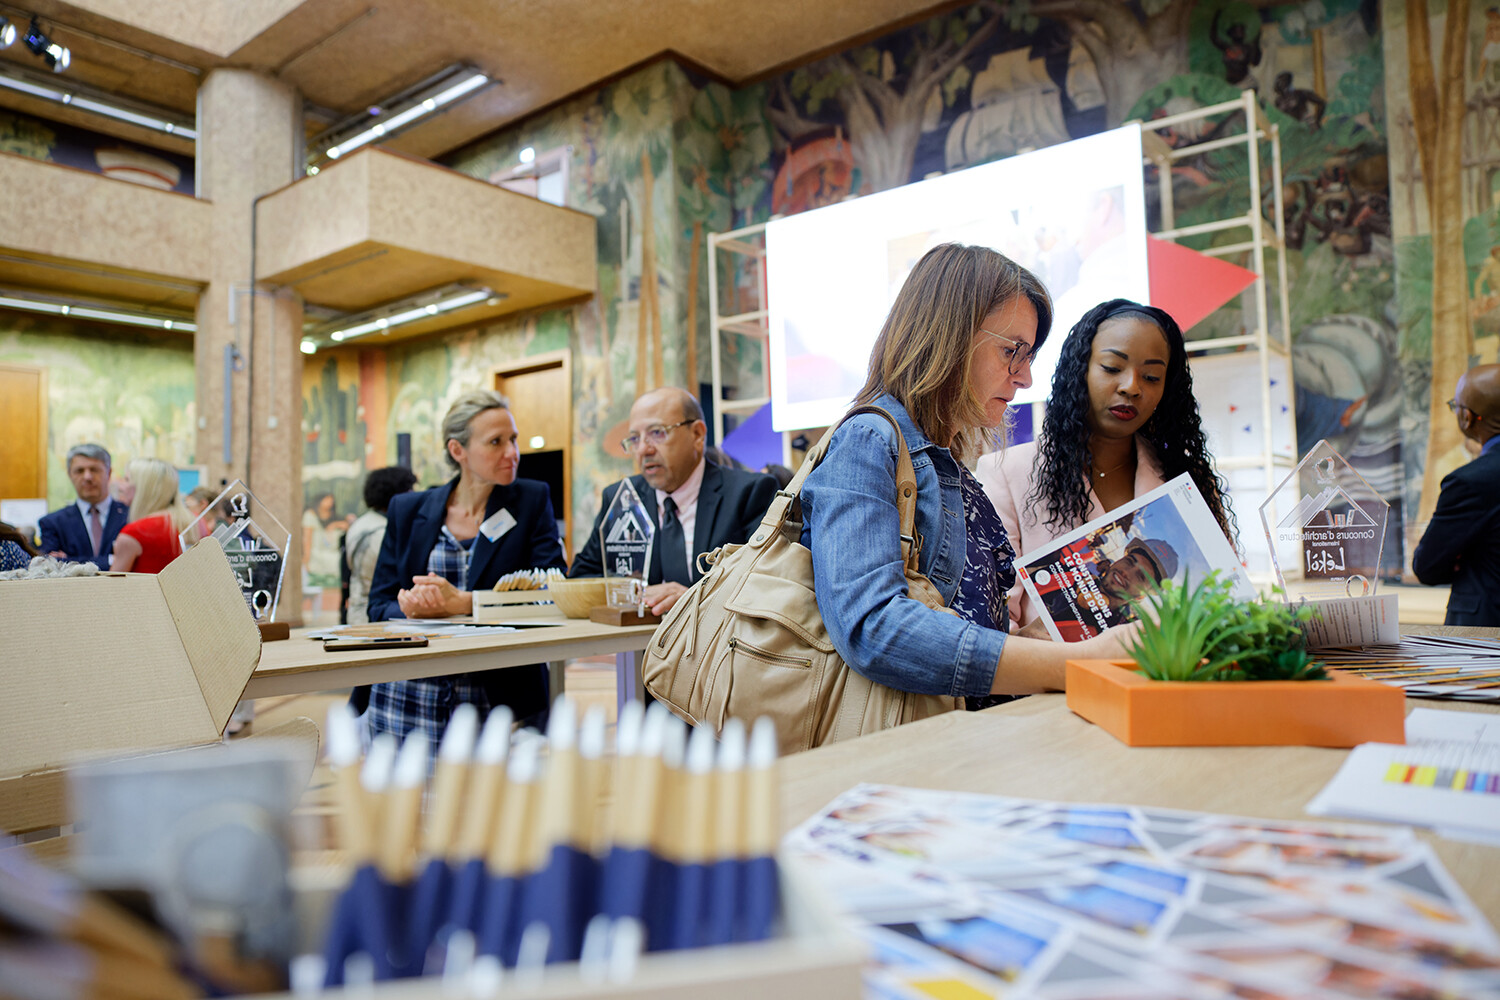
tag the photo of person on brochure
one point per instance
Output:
(1090, 583)
(1086, 592)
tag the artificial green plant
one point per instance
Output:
(1204, 633)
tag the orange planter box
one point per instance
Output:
(1343, 711)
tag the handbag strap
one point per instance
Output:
(906, 486)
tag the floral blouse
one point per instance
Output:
(989, 569)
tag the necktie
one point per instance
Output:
(96, 530)
(674, 564)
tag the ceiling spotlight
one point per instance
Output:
(308, 347)
(7, 32)
(57, 57)
(528, 154)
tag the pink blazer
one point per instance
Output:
(1007, 477)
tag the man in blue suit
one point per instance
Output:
(1461, 545)
(85, 530)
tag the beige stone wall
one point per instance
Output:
(61, 212)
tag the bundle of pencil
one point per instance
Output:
(519, 869)
(528, 579)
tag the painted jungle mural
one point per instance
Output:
(131, 392)
(1443, 84)
(663, 158)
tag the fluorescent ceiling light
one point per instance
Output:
(408, 310)
(403, 109)
(97, 102)
(84, 309)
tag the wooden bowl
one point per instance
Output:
(575, 598)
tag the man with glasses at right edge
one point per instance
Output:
(697, 505)
(1461, 545)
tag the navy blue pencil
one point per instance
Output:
(355, 835)
(760, 888)
(486, 788)
(361, 920)
(510, 850)
(428, 906)
(695, 838)
(401, 822)
(720, 925)
(661, 892)
(557, 894)
(627, 864)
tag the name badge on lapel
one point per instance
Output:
(497, 524)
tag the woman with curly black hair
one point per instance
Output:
(1121, 421)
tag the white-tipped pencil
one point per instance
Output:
(403, 809)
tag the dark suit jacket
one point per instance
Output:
(64, 530)
(731, 503)
(413, 522)
(1461, 545)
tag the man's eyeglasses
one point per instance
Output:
(1454, 405)
(656, 435)
(1016, 355)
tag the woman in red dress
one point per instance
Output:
(157, 515)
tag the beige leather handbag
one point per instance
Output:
(748, 640)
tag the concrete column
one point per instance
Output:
(249, 144)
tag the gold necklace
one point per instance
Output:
(1106, 472)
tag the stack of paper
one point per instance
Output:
(1447, 776)
(1427, 666)
(973, 896)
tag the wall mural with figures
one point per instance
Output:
(663, 158)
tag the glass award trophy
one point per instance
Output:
(1326, 528)
(254, 542)
(625, 538)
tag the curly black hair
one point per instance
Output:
(1174, 430)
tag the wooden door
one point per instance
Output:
(540, 390)
(23, 446)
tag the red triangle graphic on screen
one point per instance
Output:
(1190, 285)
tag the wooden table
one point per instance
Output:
(299, 665)
(1035, 748)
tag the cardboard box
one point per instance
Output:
(121, 664)
(1344, 711)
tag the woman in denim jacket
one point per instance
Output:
(954, 351)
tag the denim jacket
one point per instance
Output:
(853, 528)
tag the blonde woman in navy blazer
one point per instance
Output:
(444, 543)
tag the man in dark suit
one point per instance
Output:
(697, 506)
(1461, 545)
(85, 530)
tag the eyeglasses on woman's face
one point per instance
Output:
(656, 435)
(1016, 353)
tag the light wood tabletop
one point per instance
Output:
(300, 665)
(1036, 748)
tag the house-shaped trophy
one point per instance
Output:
(256, 545)
(626, 534)
(1326, 528)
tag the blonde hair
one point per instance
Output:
(156, 491)
(925, 350)
(462, 413)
